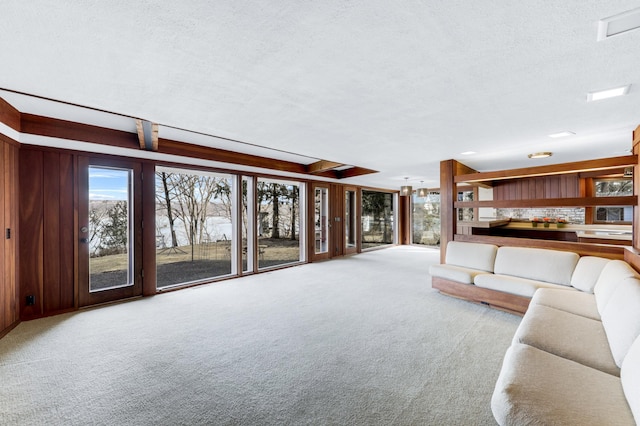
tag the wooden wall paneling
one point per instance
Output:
(149, 280)
(31, 232)
(448, 194)
(517, 190)
(404, 217)
(525, 189)
(539, 188)
(11, 253)
(5, 217)
(532, 189)
(51, 232)
(548, 193)
(589, 211)
(58, 232)
(9, 312)
(68, 233)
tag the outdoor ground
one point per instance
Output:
(182, 264)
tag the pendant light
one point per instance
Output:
(406, 189)
(422, 192)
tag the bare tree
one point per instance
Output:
(164, 197)
(191, 196)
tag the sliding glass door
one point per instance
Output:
(194, 226)
(279, 218)
(378, 227)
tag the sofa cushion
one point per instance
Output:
(630, 376)
(552, 266)
(575, 302)
(514, 285)
(612, 274)
(621, 318)
(587, 271)
(455, 273)
(471, 255)
(569, 336)
(536, 387)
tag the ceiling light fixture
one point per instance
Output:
(608, 93)
(468, 153)
(422, 192)
(541, 154)
(561, 134)
(618, 24)
(406, 189)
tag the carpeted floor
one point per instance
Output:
(361, 340)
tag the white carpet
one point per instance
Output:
(362, 340)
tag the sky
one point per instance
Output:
(108, 183)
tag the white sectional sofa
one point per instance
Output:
(507, 277)
(575, 357)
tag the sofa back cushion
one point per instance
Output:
(630, 377)
(552, 266)
(612, 274)
(587, 272)
(471, 255)
(621, 318)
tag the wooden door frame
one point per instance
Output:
(357, 221)
(311, 248)
(84, 296)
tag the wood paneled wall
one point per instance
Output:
(544, 187)
(47, 221)
(9, 311)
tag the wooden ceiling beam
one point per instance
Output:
(9, 115)
(353, 172)
(147, 134)
(322, 166)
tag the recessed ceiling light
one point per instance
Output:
(608, 93)
(541, 155)
(468, 153)
(618, 24)
(561, 134)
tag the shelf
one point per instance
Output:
(631, 200)
(549, 170)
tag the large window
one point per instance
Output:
(194, 226)
(377, 219)
(426, 218)
(613, 188)
(278, 222)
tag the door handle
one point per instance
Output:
(84, 240)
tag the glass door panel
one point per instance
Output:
(321, 208)
(377, 219)
(350, 220)
(110, 230)
(278, 222)
(194, 226)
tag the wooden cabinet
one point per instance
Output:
(559, 185)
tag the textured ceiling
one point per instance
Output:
(391, 86)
